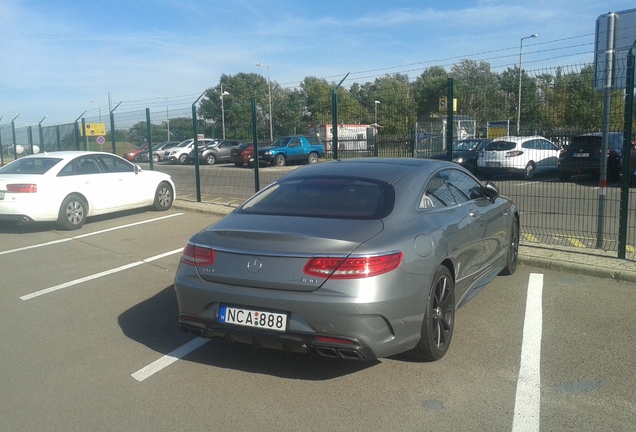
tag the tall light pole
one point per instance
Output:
(375, 109)
(519, 96)
(269, 87)
(167, 115)
(223, 94)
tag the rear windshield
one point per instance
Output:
(587, 141)
(501, 146)
(615, 141)
(30, 166)
(333, 197)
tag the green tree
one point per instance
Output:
(138, 133)
(180, 128)
(428, 88)
(237, 105)
(478, 92)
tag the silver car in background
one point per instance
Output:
(355, 259)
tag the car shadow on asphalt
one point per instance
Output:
(36, 227)
(154, 323)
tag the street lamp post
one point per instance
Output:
(375, 128)
(167, 115)
(519, 96)
(269, 87)
(223, 94)
(375, 109)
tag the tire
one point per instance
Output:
(72, 213)
(439, 319)
(155, 158)
(183, 159)
(163, 197)
(513, 250)
(529, 171)
(210, 159)
(312, 158)
(614, 170)
(279, 160)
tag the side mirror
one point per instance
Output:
(492, 191)
(137, 169)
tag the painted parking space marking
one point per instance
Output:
(528, 397)
(88, 235)
(576, 242)
(98, 275)
(530, 238)
(168, 359)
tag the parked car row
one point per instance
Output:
(158, 152)
(530, 155)
(215, 151)
(285, 150)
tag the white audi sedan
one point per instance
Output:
(68, 186)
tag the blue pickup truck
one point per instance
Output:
(293, 148)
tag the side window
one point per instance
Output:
(547, 145)
(295, 142)
(463, 187)
(87, 165)
(115, 164)
(436, 194)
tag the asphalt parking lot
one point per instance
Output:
(90, 342)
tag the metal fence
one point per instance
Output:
(409, 121)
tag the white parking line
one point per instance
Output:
(87, 235)
(528, 399)
(98, 275)
(168, 359)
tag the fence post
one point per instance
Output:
(30, 138)
(112, 127)
(196, 146)
(334, 117)
(15, 146)
(84, 134)
(149, 138)
(449, 118)
(257, 185)
(627, 149)
(607, 102)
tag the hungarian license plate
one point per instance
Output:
(253, 318)
(581, 155)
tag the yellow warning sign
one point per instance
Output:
(94, 129)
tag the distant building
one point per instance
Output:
(350, 136)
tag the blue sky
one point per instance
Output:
(59, 58)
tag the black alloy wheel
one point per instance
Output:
(513, 250)
(439, 319)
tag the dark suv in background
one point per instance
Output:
(583, 156)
